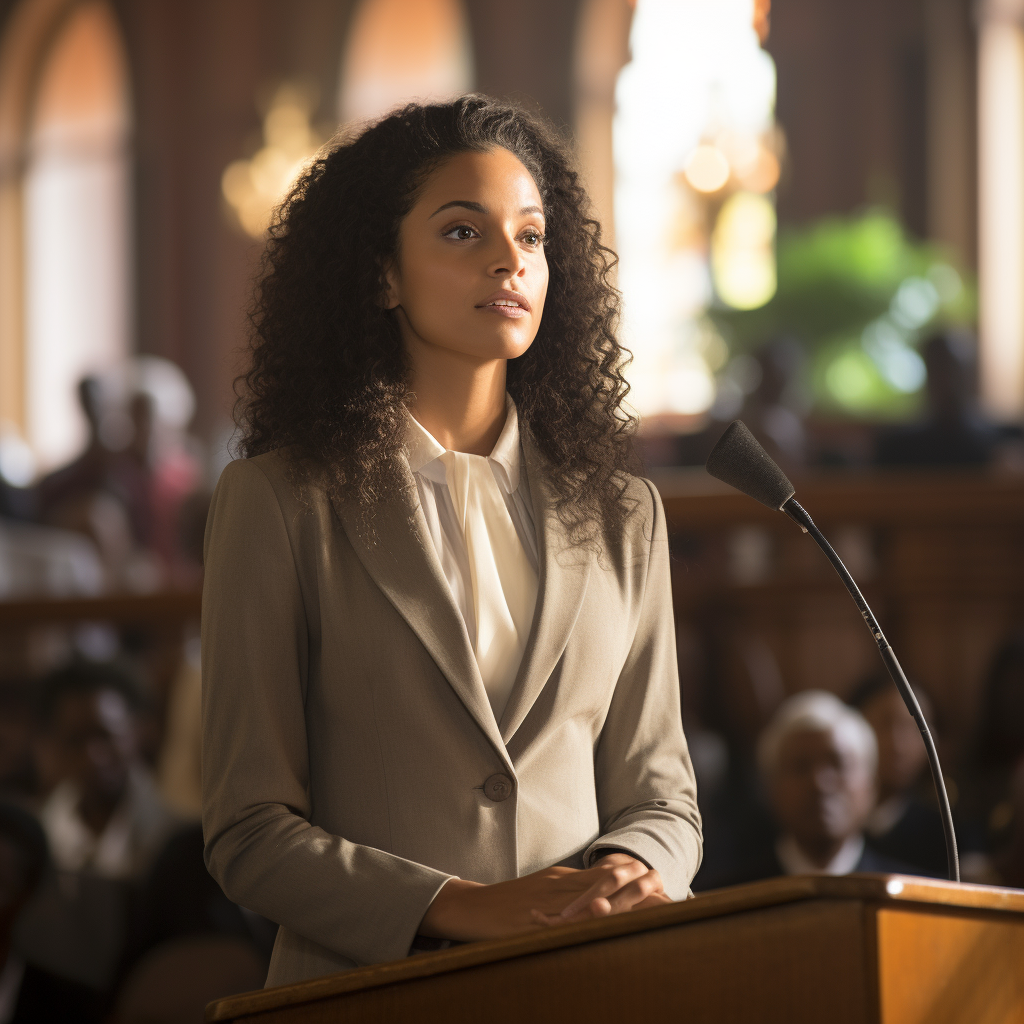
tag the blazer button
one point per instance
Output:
(498, 788)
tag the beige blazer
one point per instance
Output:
(351, 761)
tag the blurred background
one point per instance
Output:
(819, 212)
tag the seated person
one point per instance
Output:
(29, 993)
(997, 748)
(818, 759)
(905, 823)
(106, 816)
(180, 899)
(953, 431)
(1009, 857)
(105, 822)
(17, 735)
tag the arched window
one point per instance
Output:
(402, 50)
(685, 128)
(66, 216)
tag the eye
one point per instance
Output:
(460, 233)
(532, 237)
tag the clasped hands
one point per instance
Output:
(467, 911)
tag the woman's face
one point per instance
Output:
(471, 275)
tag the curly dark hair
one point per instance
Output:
(328, 376)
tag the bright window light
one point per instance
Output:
(693, 125)
(77, 203)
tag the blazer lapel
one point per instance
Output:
(564, 571)
(401, 560)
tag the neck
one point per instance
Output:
(819, 850)
(887, 792)
(7, 919)
(460, 401)
(96, 810)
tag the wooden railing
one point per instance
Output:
(761, 612)
(38, 633)
(119, 609)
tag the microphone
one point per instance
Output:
(739, 460)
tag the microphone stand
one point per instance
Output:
(799, 515)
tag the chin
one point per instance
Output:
(496, 348)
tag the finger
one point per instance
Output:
(599, 907)
(656, 899)
(636, 892)
(611, 878)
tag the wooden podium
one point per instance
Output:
(884, 949)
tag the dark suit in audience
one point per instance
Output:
(180, 899)
(765, 863)
(46, 998)
(30, 994)
(905, 823)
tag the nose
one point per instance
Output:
(507, 260)
(827, 780)
(98, 752)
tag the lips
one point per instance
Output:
(506, 300)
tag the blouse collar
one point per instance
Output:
(424, 450)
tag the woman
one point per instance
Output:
(440, 691)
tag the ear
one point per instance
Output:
(391, 297)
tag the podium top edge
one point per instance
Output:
(875, 889)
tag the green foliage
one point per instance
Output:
(859, 295)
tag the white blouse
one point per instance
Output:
(499, 644)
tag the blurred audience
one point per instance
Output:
(29, 993)
(179, 768)
(765, 390)
(953, 431)
(818, 760)
(174, 983)
(165, 404)
(902, 825)
(36, 560)
(1009, 856)
(104, 821)
(906, 824)
(105, 815)
(180, 899)
(998, 749)
(105, 465)
(18, 781)
(124, 514)
(775, 408)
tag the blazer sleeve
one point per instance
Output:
(646, 790)
(260, 846)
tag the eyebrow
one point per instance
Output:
(468, 204)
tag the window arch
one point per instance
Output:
(674, 118)
(64, 216)
(403, 50)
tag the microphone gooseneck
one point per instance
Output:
(799, 515)
(739, 460)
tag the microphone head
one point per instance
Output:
(740, 461)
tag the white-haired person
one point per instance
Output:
(818, 758)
